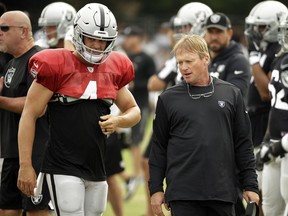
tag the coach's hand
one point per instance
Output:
(157, 199)
(27, 180)
(1, 83)
(251, 196)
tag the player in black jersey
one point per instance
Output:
(275, 146)
(16, 39)
(201, 133)
(261, 33)
(144, 68)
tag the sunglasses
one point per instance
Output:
(198, 96)
(7, 28)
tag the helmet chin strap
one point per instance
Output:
(53, 42)
(92, 58)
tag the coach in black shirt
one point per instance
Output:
(228, 61)
(201, 134)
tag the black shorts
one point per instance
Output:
(10, 196)
(138, 131)
(113, 159)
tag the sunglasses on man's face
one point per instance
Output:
(7, 28)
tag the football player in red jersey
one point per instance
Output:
(77, 89)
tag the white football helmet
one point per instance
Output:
(96, 21)
(265, 14)
(191, 19)
(283, 32)
(59, 14)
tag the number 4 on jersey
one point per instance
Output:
(90, 91)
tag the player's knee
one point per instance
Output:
(70, 207)
(284, 188)
(99, 207)
(70, 204)
(95, 210)
(99, 212)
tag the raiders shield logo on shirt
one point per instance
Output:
(221, 104)
(8, 77)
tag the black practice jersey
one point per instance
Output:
(266, 62)
(232, 66)
(77, 150)
(16, 84)
(198, 143)
(278, 119)
(144, 67)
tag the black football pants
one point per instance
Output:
(201, 208)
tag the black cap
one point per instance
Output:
(133, 31)
(218, 20)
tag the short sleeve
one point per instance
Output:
(42, 71)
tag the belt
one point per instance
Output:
(66, 99)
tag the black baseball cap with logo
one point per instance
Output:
(133, 31)
(218, 20)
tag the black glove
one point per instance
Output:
(259, 162)
(253, 41)
(263, 155)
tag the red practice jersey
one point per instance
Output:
(60, 71)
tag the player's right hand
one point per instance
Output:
(27, 180)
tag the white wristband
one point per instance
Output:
(254, 58)
(284, 142)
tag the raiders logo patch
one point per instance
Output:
(221, 104)
(36, 200)
(221, 68)
(33, 73)
(215, 18)
(9, 76)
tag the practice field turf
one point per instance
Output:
(137, 204)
